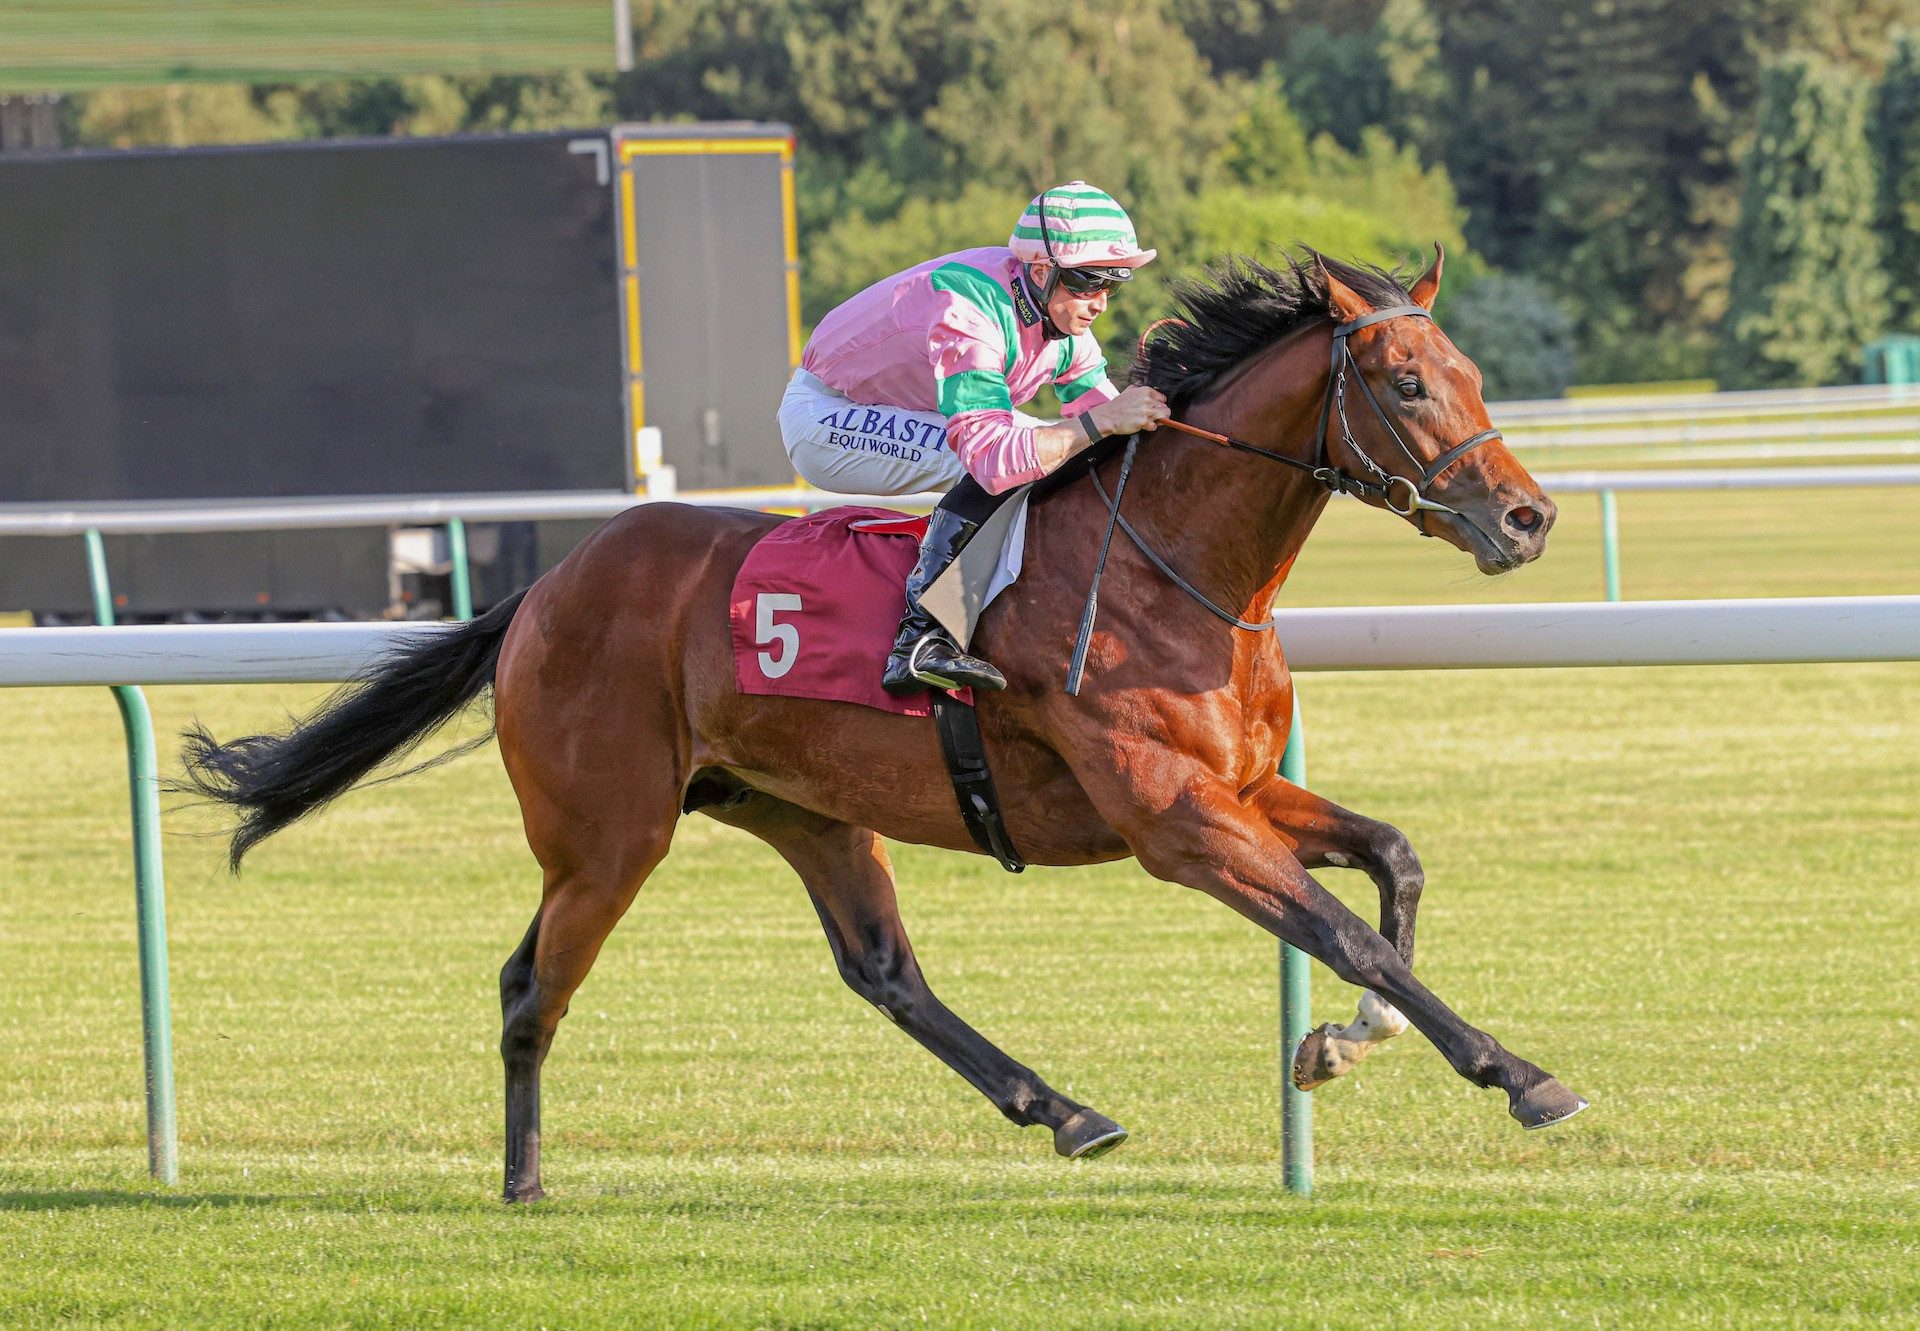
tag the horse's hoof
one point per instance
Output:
(515, 1196)
(1545, 1105)
(1086, 1135)
(1320, 1058)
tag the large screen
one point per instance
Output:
(317, 319)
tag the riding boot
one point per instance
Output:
(924, 654)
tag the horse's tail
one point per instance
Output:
(274, 780)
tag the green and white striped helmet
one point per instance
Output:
(1084, 227)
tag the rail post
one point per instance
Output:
(1296, 1008)
(149, 894)
(1610, 542)
(460, 577)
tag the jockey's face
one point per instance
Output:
(1071, 314)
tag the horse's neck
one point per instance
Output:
(1234, 522)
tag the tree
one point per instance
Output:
(1521, 340)
(179, 115)
(1808, 290)
(1267, 147)
(1052, 90)
(1896, 136)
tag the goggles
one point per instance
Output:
(1087, 281)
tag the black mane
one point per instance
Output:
(1240, 306)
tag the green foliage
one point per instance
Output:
(1596, 146)
(1521, 340)
(1338, 78)
(1896, 141)
(1808, 290)
(714, 60)
(180, 114)
(1267, 146)
(1051, 90)
(852, 252)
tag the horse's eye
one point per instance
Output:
(1409, 387)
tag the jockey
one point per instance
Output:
(912, 385)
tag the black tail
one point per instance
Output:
(274, 780)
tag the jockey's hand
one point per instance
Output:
(1137, 408)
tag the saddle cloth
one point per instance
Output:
(818, 600)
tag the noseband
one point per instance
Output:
(1384, 484)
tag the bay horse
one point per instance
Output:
(616, 709)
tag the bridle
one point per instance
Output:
(1384, 485)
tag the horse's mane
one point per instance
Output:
(1240, 306)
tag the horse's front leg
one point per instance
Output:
(1322, 833)
(1199, 832)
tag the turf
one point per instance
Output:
(1687, 892)
(1840, 542)
(71, 45)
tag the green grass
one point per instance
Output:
(70, 45)
(1690, 893)
(1842, 542)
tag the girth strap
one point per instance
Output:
(966, 755)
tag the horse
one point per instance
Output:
(616, 711)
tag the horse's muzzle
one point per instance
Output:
(1507, 532)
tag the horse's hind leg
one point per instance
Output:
(590, 881)
(846, 871)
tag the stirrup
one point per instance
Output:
(919, 671)
(959, 671)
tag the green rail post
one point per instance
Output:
(461, 578)
(1296, 1008)
(149, 894)
(1610, 542)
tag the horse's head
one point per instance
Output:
(1425, 436)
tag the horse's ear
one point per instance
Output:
(1342, 299)
(1429, 284)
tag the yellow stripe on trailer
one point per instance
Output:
(636, 363)
(629, 232)
(631, 148)
(790, 223)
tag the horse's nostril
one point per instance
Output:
(1525, 519)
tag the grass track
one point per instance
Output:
(1688, 892)
(71, 45)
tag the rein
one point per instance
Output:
(1415, 505)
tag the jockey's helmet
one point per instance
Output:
(1083, 234)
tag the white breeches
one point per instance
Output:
(839, 445)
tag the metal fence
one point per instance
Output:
(1876, 628)
(453, 512)
(1874, 421)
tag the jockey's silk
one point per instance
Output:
(961, 335)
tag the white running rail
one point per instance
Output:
(405, 511)
(1434, 637)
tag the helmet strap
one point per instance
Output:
(1041, 296)
(1053, 260)
(1047, 327)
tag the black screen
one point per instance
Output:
(331, 319)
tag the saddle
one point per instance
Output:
(813, 612)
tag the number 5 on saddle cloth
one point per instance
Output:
(813, 612)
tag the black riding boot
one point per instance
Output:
(924, 655)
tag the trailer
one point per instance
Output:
(349, 318)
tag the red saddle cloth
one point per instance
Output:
(817, 603)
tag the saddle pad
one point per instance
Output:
(817, 603)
